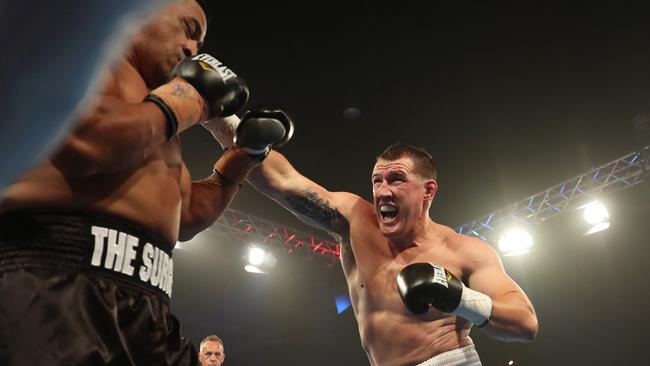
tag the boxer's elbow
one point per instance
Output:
(525, 321)
(187, 232)
(187, 229)
(185, 235)
(190, 227)
(526, 325)
(529, 329)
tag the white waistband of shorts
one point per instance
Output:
(465, 356)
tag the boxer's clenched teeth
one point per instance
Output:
(388, 211)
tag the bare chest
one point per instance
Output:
(377, 282)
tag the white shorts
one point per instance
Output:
(466, 356)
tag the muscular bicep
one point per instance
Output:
(512, 316)
(487, 273)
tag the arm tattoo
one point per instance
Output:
(310, 206)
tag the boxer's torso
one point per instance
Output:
(390, 334)
(147, 193)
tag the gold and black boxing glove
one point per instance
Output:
(201, 87)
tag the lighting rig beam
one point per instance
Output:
(617, 175)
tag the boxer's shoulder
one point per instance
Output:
(352, 206)
(124, 82)
(473, 251)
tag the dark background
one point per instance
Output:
(510, 99)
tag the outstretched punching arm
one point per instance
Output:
(279, 180)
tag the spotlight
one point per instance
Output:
(596, 215)
(259, 260)
(256, 256)
(515, 242)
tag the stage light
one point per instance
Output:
(259, 260)
(256, 256)
(515, 242)
(596, 215)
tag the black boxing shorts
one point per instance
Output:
(85, 288)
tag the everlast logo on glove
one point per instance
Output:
(222, 69)
(122, 255)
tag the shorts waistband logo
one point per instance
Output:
(121, 253)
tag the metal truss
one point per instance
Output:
(242, 226)
(611, 177)
(619, 174)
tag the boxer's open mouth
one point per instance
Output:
(388, 211)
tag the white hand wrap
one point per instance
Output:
(252, 151)
(223, 129)
(474, 306)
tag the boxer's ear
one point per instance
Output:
(430, 189)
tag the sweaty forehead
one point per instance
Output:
(385, 166)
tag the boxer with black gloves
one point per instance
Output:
(201, 87)
(257, 133)
(86, 238)
(262, 129)
(422, 285)
(409, 312)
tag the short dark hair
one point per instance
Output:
(424, 165)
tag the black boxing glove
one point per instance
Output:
(262, 129)
(200, 88)
(424, 284)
